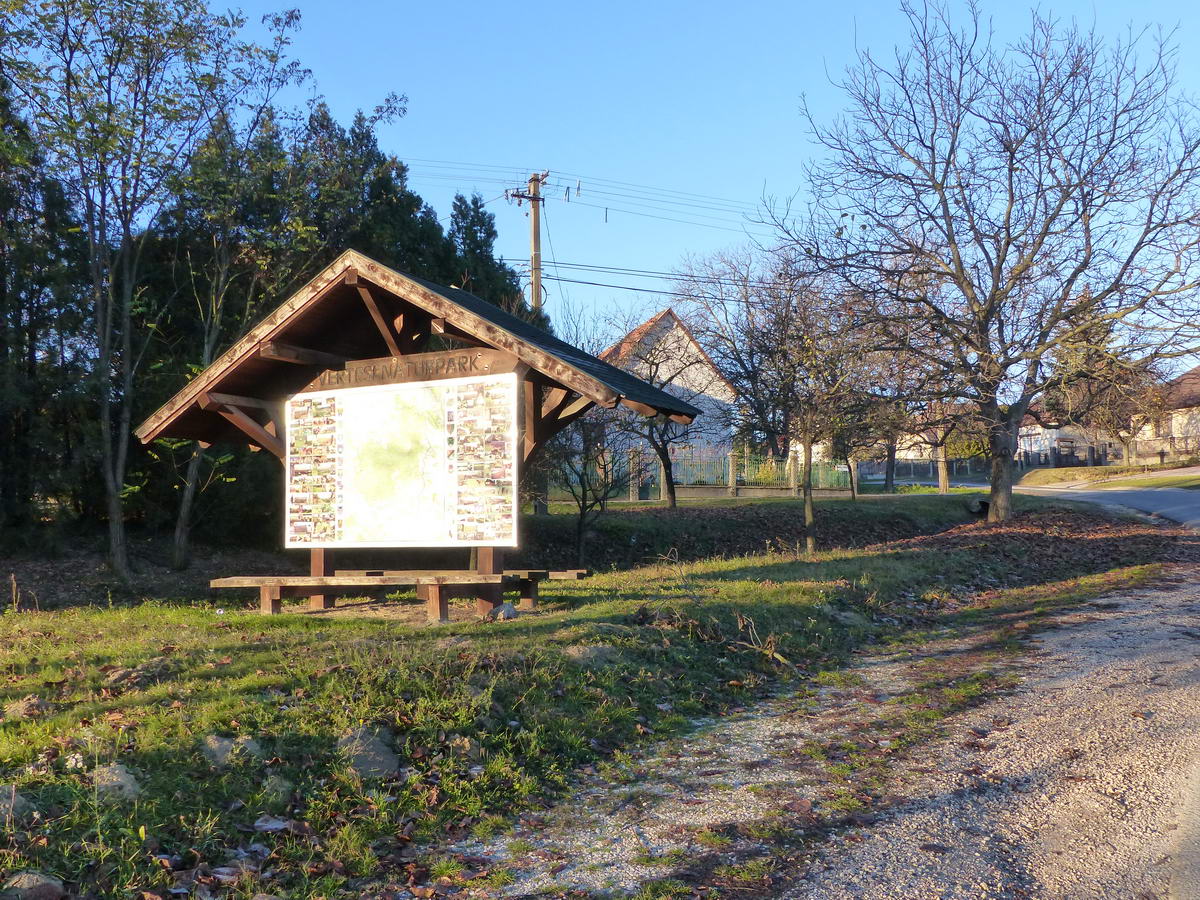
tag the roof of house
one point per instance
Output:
(620, 352)
(1184, 392)
(328, 316)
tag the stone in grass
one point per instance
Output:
(278, 789)
(265, 897)
(592, 656)
(369, 753)
(29, 707)
(219, 751)
(115, 782)
(33, 886)
(502, 613)
(13, 807)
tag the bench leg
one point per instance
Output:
(319, 565)
(268, 599)
(437, 606)
(488, 561)
(529, 594)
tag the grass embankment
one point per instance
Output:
(1068, 474)
(488, 718)
(627, 536)
(1189, 482)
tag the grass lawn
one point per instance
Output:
(1191, 482)
(489, 719)
(1040, 477)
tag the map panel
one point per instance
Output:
(422, 464)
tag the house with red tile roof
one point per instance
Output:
(663, 351)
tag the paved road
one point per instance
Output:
(1177, 504)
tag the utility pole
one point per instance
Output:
(533, 194)
(541, 481)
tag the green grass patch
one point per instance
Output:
(1189, 482)
(1044, 476)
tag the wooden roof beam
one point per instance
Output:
(389, 336)
(277, 351)
(253, 430)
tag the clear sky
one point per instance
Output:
(672, 119)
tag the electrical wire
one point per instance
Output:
(553, 255)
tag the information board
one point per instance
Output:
(417, 464)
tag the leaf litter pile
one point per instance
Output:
(165, 750)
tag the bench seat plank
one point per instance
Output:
(395, 578)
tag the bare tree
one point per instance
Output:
(993, 202)
(795, 346)
(586, 459)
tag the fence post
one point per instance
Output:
(793, 475)
(732, 473)
(635, 474)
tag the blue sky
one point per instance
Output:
(656, 111)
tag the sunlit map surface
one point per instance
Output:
(424, 464)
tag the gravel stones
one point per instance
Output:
(32, 886)
(369, 752)
(115, 782)
(220, 751)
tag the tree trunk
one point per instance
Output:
(666, 473)
(1000, 447)
(580, 528)
(853, 479)
(181, 548)
(943, 467)
(889, 469)
(810, 538)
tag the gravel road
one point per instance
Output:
(1090, 792)
(1083, 782)
(1177, 504)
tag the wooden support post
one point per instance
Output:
(320, 566)
(529, 594)
(732, 473)
(437, 606)
(635, 474)
(268, 599)
(489, 561)
(793, 474)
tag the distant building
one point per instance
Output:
(663, 351)
(1175, 433)
(1062, 444)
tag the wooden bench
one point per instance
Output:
(433, 586)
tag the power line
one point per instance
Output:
(633, 212)
(553, 254)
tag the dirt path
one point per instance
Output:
(1072, 785)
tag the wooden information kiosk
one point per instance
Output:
(405, 413)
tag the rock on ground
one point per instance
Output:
(33, 886)
(278, 789)
(219, 751)
(592, 656)
(116, 782)
(369, 752)
(13, 806)
(29, 707)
